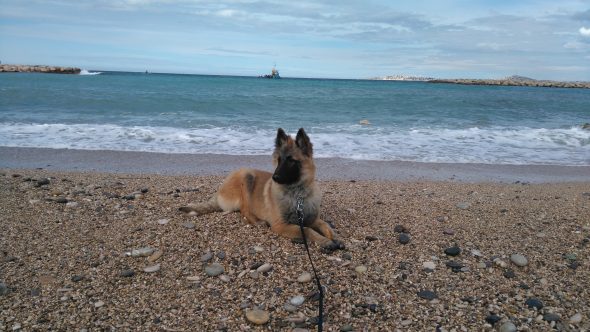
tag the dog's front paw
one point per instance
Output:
(333, 245)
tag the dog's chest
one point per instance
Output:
(310, 211)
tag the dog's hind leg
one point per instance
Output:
(247, 189)
(210, 206)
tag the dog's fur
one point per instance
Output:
(272, 198)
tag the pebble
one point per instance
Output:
(428, 295)
(576, 319)
(224, 278)
(98, 304)
(16, 327)
(42, 182)
(541, 235)
(463, 205)
(141, 252)
(72, 205)
(127, 273)
(507, 327)
(206, 257)
(258, 249)
(442, 218)
(289, 307)
(551, 317)
(400, 229)
(404, 238)
(347, 256)
(155, 256)
(519, 260)
(406, 322)
(429, 265)
(493, 319)
(220, 254)
(448, 231)
(188, 225)
(77, 278)
(214, 269)
(3, 289)
(257, 316)
(476, 253)
(360, 269)
(152, 269)
(264, 268)
(534, 303)
(500, 262)
(453, 251)
(346, 328)
(297, 300)
(509, 274)
(481, 265)
(304, 277)
(163, 221)
(61, 200)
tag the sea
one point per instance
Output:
(355, 119)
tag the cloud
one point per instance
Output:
(585, 31)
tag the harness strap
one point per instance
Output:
(300, 218)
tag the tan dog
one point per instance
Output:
(272, 198)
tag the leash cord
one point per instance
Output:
(317, 279)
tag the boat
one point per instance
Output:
(274, 74)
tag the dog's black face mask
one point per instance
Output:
(288, 170)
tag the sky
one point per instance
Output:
(544, 39)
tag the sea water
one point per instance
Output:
(358, 119)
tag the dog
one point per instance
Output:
(273, 198)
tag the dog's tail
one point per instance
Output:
(202, 208)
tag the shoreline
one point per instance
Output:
(133, 162)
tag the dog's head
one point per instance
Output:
(293, 158)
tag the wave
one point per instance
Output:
(86, 72)
(519, 145)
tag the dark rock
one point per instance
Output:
(453, 251)
(493, 319)
(404, 238)
(455, 266)
(42, 182)
(347, 256)
(35, 292)
(77, 278)
(346, 328)
(442, 218)
(428, 295)
(401, 229)
(551, 317)
(448, 231)
(221, 255)
(371, 238)
(3, 289)
(534, 303)
(127, 273)
(61, 200)
(509, 274)
(129, 197)
(256, 265)
(144, 190)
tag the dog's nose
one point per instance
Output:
(275, 177)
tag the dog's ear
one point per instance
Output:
(303, 143)
(281, 138)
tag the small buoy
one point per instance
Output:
(365, 122)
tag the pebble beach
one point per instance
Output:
(89, 251)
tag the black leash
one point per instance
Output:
(317, 279)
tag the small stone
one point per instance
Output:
(500, 263)
(428, 295)
(493, 319)
(61, 200)
(463, 205)
(429, 265)
(346, 328)
(453, 251)
(442, 218)
(455, 266)
(257, 316)
(400, 229)
(481, 265)
(224, 278)
(297, 300)
(347, 256)
(571, 256)
(264, 268)
(258, 249)
(220, 254)
(206, 257)
(3, 289)
(534, 303)
(214, 269)
(42, 182)
(541, 235)
(98, 304)
(163, 221)
(141, 252)
(289, 307)
(72, 205)
(16, 327)
(77, 278)
(551, 317)
(576, 319)
(509, 274)
(507, 327)
(152, 269)
(406, 322)
(304, 277)
(404, 238)
(371, 238)
(155, 256)
(476, 253)
(127, 273)
(360, 269)
(519, 260)
(448, 231)
(188, 225)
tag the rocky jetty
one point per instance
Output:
(38, 69)
(515, 81)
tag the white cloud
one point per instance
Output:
(585, 31)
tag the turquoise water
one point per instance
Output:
(413, 121)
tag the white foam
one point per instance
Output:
(86, 72)
(518, 145)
